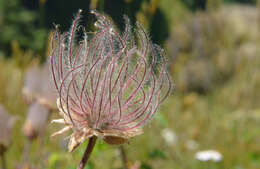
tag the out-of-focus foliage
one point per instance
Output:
(242, 1)
(202, 4)
(209, 45)
(195, 4)
(21, 25)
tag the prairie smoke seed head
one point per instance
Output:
(38, 87)
(109, 85)
(6, 125)
(36, 120)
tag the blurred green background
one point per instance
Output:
(213, 57)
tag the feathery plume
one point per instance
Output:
(109, 84)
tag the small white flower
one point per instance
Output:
(208, 155)
(169, 136)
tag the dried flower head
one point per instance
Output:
(39, 87)
(111, 84)
(6, 125)
(36, 120)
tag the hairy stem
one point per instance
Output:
(89, 149)
(124, 157)
(26, 151)
(3, 161)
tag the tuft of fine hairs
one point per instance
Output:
(112, 82)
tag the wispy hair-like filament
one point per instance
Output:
(108, 81)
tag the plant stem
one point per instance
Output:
(124, 157)
(3, 161)
(26, 151)
(84, 160)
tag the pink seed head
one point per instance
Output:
(111, 82)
